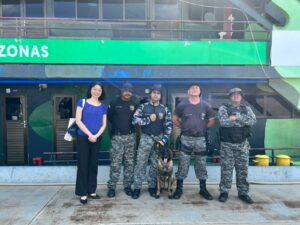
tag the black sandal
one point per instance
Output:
(94, 196)
(83, 199)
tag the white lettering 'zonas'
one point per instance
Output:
(23, 51)
(12, 51)
(2, 48)
(45, 51)
(35, 52)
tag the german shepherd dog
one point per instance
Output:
(165, 178)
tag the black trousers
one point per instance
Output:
(87, 165)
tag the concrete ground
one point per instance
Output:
(274, 204)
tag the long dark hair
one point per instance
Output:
(89, 95)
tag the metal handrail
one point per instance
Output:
(176, 29)
(53, 157)
(120, 20)
(275, 149)
(54, 160)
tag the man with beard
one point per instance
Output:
(120, 114)
(156, 125)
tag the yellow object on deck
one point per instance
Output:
(261, 160)
(283, 160)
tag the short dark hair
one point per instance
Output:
(193, 84)
(89, 95)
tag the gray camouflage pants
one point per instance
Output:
(144, 153)
(234, 156)
(189, 145)
(122, 150)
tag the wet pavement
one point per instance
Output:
(40, 205)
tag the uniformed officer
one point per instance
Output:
(120, 114)
(236, 120)
(194, 116)
(156, 125)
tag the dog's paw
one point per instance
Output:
(157, 196)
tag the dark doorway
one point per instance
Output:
(64, 108)
(16, 130)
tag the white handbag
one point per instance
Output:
(68, 136)
(72, 122)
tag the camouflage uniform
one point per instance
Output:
(235, 154)
(122, 146)
(123, 140)
(161, 130)
(197, 145)
(146, 151)
(194, 119)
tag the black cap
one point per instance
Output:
(156, 87)
(127, 87)
(234, 90)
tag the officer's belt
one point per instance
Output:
(193, 135)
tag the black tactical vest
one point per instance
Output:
(235, 134)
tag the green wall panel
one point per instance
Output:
(41, 122)
(280, 133)
(51, 51)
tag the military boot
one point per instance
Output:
(136, 193)
(111, 193)
(203, 190)
(223, 197)
(246, 198)
(178, 191)
(152, 192)
(128, 191)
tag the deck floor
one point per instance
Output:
(274, 204)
